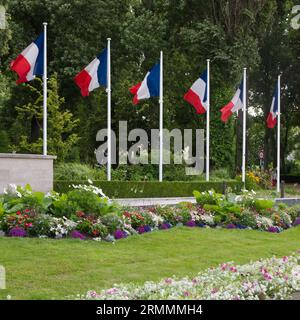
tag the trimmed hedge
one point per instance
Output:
(151, 189)
(290, 178)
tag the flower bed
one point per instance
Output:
(86, 213)
(261, 280)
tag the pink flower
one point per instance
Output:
(224, 266)
(186, 293)
(285, 259)
(168, 281)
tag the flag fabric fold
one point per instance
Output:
(197, 94)
(149, 87)
(30, 62)
(234, 105)
(94, 75)
(272, 117)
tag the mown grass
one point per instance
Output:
(46, 269)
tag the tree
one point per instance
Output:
(28, 125)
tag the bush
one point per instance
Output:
(148, 189)
(263, 204)
(77, 171)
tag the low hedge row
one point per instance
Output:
(151, 189)
(290, 178)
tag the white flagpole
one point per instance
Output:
(244, 127)
(161, 118)
(45, 92)
(207, 120)
(108, 113)
(278, 136)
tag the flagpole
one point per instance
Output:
(208, 120)
(45, 92)
(108, 112)
(244, 127)
(278, 135)
(161, 118)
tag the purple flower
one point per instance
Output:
(141, 229)
(17, 232)
(297, 222)
(77, 235)
(240, 226)
(231, 226)
(147, 228)
(201, 224)
(119, 234)
(165, 225)
(191, 223)
(274, 229)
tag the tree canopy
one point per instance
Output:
(233, 34)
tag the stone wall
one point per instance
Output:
(22, 169)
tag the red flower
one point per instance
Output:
(127, 214)
(18, 213)
(27, 210)
(80, 214)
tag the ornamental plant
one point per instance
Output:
(17, 232)
(266, 279)
(208, 197)
(22, 219)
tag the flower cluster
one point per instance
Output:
(85, 213)
(61, 227)
(274, 278)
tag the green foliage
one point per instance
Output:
(41, 226)
(77, 171)
(208, 197)
(148, 189)
(63, 206)
(263, 204)
(247, 218)
(4, 141)
(233, 34)
(61, 125)
(37, 201)
(89, 202)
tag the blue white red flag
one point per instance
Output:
(197, 94)
(30, 62)
(94, 75)
(234, 105)
(272, 117)
(149, 87)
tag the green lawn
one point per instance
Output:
(43, 269)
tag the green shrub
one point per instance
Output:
(247, 218)
(64, 207)
(27, 199)
(208, 197)
(263, 204)
(149, 189)
(88, 202)
(77, 171)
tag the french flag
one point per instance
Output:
(94, 75)
(149, 87)
(272, 117)
(197, 94)
(234, 105)
(30, 62)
